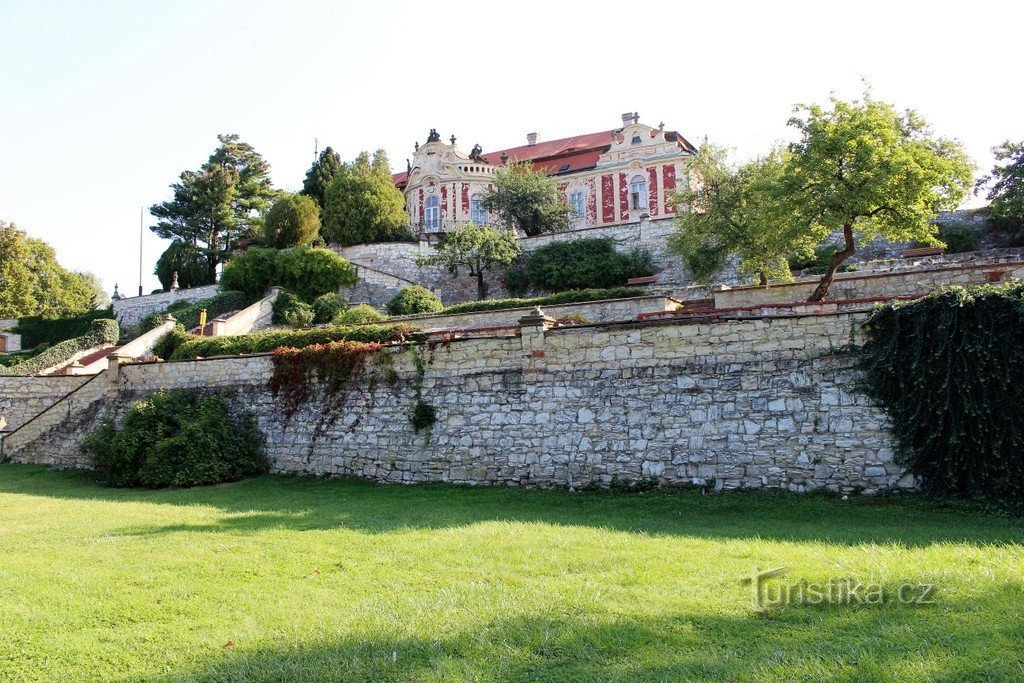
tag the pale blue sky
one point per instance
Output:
(103, 104)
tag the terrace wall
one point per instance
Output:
(132, 310)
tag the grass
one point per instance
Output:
(302, 579)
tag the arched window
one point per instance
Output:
(431, 214)
(576, 202)
(477, 212)
(638, 192)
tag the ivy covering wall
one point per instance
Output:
(949, 370)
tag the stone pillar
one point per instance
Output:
(114, 363)
(533, 328)
(217, 326)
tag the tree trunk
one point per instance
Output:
(764, 279)
(826, 280)
(481, 286)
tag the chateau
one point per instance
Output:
(608, 178)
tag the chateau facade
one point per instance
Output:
(615, 176)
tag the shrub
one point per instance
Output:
(947, 369)
(293, 220)
(583, 263)
(307, 271)
(36, 330)
(291, 310)
(177, 438)
(958, 238)
(517, 275)
(363, 313)
(188, 261)
(169, 343)
(327, 306)
(577, 296)
(103, 331)
(414, 300)
(265, 342)
(189, 314)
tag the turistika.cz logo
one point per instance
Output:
(767, 594)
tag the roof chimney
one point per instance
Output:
(532, 138)
(627, 119)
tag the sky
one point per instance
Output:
(103, 104)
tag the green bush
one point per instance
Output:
(189, 314)
(265, 342)
(958, 238)
(307, 271)
(517, 275)
(414, 300)
(103, 331)
(177, 438)
(36, 330)
(326, 307)
(947, 369)
(290, 310)
(293, 220)
(583, 263)
(572, 297)
(168, 344)
(363, 313)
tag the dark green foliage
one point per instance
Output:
(517, 275)
(958, 238)
(1006, 189)
(290, 310)
(10, 360)
(326, 307)
(168, 344)
(362, 313)
(570, 297)
(188, 315)
(424, 415)
(292, 221)
(188, 262)
(583, 263)
(307, 271)
(414, 300)
(817, 263)
(102, 331)
(947, 368)
(36, 330)
(265, 342)
(177, 438)
(320, 176)
(362, 204)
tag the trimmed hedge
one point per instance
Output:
(35, 330)
(292, 311)
(581, 263)
(413, 301)
(265, 342)
(360, 313)
(571, 297)
(188, 315)
(103, 331)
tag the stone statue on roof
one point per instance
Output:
(434, 136)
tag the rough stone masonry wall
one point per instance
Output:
(22, 398)
(132, 310)
(756, 403)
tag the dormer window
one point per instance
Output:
(431, 214)
(576, 202)
(638, 193)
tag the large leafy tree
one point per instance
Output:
(218, 204)
(187, 261)
(32, 282)
(293, 220)
(478, 250)
(320, 176)
(864, 169)
(363, 205)
(526, 200)
(737, 211)
(1006, 187)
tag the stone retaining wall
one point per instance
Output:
(754, 403)
(22, 398)
(132, 310)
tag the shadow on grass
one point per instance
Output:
(882, 643)
(306, 503)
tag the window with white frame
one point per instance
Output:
(576, 202)
(638, 192)
(476, 211)
(432, 214)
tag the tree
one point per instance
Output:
(1007, 187)
(737, 211)
(862, 167)
(100, 298)
(293, 220)
(32, 282)
(187, 261)
(320, 176)
(218, 204)
(479, 249)
(363, 205)
(526, 200)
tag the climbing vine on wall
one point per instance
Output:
(948, 369)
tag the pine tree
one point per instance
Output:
(320, 176)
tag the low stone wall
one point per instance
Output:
(22, 398)
(755, 403)
(131, 311)
(912, 280)
(250, 319)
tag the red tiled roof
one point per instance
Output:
(565, 155)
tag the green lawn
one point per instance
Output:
(278, 579)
